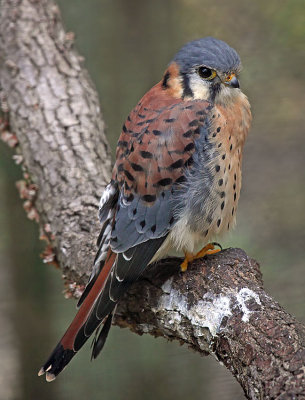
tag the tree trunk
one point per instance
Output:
(51, 116)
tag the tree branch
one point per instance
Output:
(54, 111)
(218, 306)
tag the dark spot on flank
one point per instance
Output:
(220, 144)
(134, 211)
(189, 147)
(222, 195)
(142, 223)
(213, 116)
(218, 129)
(223, 156)
(165, 80)
(214, 134)
(218, 222)
(230, 137)
(197, 131)
(231, 147)
(131, 149)
(232, 210)
(188, 133)
(235, 177)
(128, 175)
(153, 228)
(220, 182)
(136, 167)
(222, 205)
(176, 164)
(141, 123)
(156, 132)
(165, 182)
(149, 121)
(120, 167)
(229, 167)
(234, 186)
(217, 168)
(169, 120)
(206, 232)
(141, 116)
(146, 184)
(234, 196)
(188, 107)
(149, 198)
(146, 154)
(194, 122)
(181, 179)
(228, 225)
(201, 112)
(124, 128)
(128, 118)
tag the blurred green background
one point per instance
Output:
(127, 45)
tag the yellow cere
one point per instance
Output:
(230, 77)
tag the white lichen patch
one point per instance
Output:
(242, 297)
(209, 312)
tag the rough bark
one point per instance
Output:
(51, 116)
(54, 112)
(219, 307)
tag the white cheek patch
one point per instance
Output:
(199, 87)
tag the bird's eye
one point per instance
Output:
(206, 73)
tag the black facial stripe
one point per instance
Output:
(214, 90)
(187, 91)
(165, 80)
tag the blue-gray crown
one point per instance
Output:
(210, 52)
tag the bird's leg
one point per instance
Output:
(208, 249)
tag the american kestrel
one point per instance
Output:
(175, 183)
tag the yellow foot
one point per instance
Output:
(189, 257)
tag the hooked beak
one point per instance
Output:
(232, 81)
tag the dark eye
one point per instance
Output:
(206, 73)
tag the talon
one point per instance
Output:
(217, 244)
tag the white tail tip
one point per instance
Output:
(50, 377)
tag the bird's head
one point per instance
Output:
(205, 69)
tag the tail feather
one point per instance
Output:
(98, 343)
(66, 349)
(113, 279)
